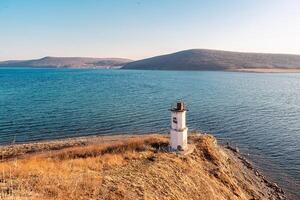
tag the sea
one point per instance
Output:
(257, 112)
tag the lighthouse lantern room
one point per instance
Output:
(178, 132)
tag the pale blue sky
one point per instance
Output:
(136, 29)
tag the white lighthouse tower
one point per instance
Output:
(178, 130)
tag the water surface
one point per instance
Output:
(260, 113)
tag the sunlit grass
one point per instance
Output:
(71, 173)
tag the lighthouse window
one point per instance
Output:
(174, 120)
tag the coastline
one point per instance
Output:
(244, 70)
(278, 191)
(26, 150)
(265, 70)
(19, 150)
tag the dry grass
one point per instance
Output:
(133, 168)
(70, 173)
(134, 144)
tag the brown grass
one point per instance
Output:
(70, 173)
(134, 144)
(136, 168)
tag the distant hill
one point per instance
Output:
(203, 59)
(67, 62)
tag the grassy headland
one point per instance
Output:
(129, 167)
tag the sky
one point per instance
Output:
(138, 29)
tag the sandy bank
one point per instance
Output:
(266, 70)
(129, 167)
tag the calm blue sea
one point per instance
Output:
(260, 113)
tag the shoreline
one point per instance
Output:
(10, 151)
(241, 70)
(265, 70)
(22, 151)
(278, 190)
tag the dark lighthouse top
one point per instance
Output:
(180, 107)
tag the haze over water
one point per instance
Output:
(260, 113)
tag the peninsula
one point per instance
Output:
(130, 167)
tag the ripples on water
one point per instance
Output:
(260, 113)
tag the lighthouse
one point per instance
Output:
(178, 132)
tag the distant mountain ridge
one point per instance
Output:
(203, 59)
(67, 62)
(193, 59)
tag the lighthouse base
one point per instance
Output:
(179, 139)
